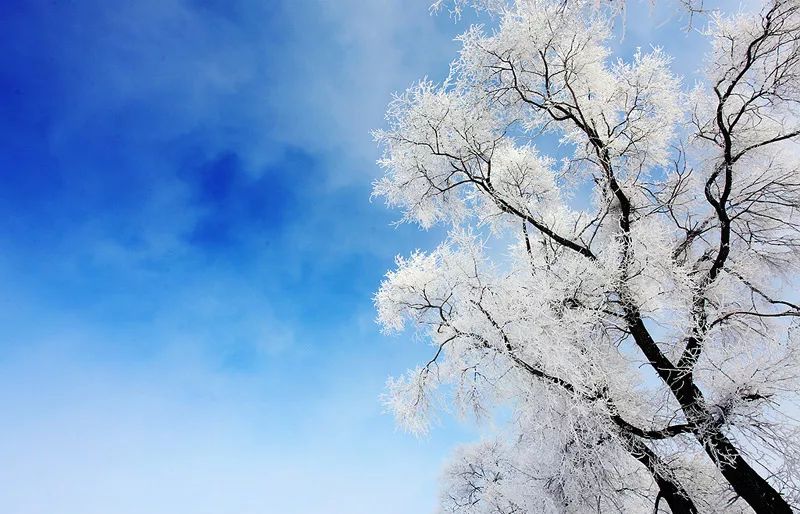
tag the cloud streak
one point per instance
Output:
(190, 253)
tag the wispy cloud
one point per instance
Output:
(189, 253)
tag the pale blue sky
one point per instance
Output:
(188, 254)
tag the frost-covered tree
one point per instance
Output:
(625, 304)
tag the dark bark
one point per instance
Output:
(747, 483)
(744, 480)
(669, 489)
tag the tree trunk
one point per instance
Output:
(675, 495)
(744, 480)
(747, 483)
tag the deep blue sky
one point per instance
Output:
(188, 253)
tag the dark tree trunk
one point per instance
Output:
(748, 484)
(669, 489)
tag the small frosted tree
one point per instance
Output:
(627, 304)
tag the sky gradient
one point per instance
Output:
(188, 254)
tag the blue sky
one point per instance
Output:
(188, 254)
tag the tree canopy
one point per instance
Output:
(630, 303)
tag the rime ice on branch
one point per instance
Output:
(646, 342)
